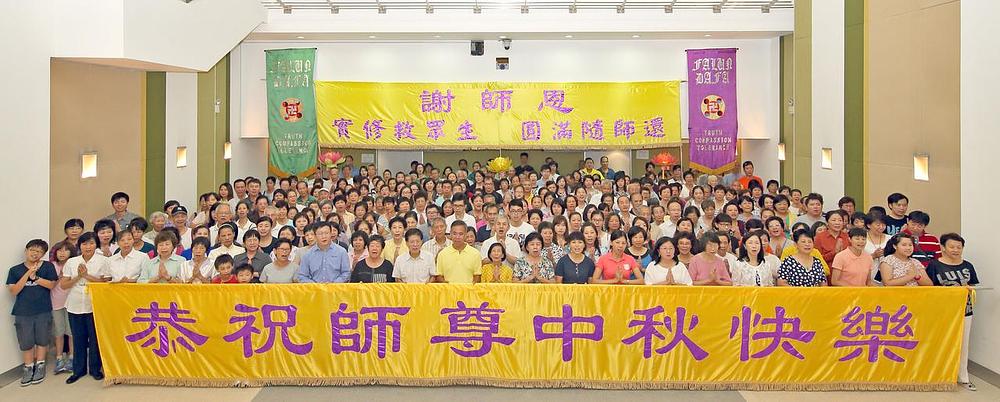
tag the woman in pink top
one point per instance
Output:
(60, 320)
(616, 266)
(853, 266)
(707, 268)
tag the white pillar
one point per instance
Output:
(979, 143)
(828, 97)
(182, 131)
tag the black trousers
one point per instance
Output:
(85, 354)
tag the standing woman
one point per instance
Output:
(616, 267)
(802, 268)
(533, 267)
(373, 269)
(591, 242)
(78, 272)
(708, 268)
(105, 230)
(898, 267)
(638, 247)
(754, 266)
(665, 269)
(560, 227)
(877, 239)
(952, 270)
(226, 192)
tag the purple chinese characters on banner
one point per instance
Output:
(493, 100)
(782, 330)
(531, 130)
(592, 131)
(343, 320)
(554, 98)
(404, 129)
(562, 131)
(373, 129)
(342, 126)
(247, 330)
(876, 328)
(624, 128)
(435, 129)
(435, 101)
(648, 330)
(654, 127)
(161, 320)
(566, 333)
(477, 326)
(465, 132)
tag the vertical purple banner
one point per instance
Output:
(712, 118)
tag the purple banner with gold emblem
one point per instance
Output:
(712, 118)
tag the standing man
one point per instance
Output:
(459, 263)
(240, 188)
(606, 169)
(524, 167)
(588, 169)
(748, 176)
(458, 202)
(122, 217)
(324, 263)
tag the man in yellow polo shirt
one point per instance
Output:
(588, 169)
(458, 263)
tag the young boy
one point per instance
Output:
(244, 273)
(224, 265)
(31, 282)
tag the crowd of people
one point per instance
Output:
(591, 225)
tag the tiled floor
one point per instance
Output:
(54, 389)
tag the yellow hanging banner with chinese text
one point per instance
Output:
(498, 115)
(621, 337)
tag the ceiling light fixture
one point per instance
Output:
(502, 37)
(568, 36)
(372, 36)
(635, 36)
(300, 37)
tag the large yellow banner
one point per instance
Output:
(498, 115)
(531, 336)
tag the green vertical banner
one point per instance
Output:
(291, 111)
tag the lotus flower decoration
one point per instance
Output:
(664, 159)
(499, 164)
(331, 159)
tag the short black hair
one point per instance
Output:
(73, 222)
(138, 223)
(919, 217)
(747, 163)
(857, 232)
(222, 259)
(244, 267)
(413, 232)
(952, 236)
(119, 195)
(896, 197)
(525, 154)
(39, 243)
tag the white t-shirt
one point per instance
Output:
(127, 267)
(78, 299)
(668, 228)
(655, 273)
(186, 239)
(468, 219)
(510, 245)
(207, 269)
(232, 250)
(414, 270)
(518, 233)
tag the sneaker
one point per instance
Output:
(67, 366)
(26, 373)
(59, 365)
(39, 374)
(970, 386)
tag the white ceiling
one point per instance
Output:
(422, 5)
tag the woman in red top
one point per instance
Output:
(616, 266)
(834, 239)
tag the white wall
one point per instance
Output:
(26, 164)
(828, 95)
(182, 130)
(979, 141)
(536, 60)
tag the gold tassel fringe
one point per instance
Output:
(507, 383)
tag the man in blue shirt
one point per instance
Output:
(324, 262)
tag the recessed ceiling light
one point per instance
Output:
(635, 36)
(372, 36)
(568, 36)
(708, 35)
(437, 36)
(300, 37)
(502, 36)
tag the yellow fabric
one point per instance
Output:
(391, 250)
(489, 272)
(459, 267)
(361, 102)
(936, 323)
(815, 253)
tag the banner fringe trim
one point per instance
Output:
(707, 170)
(508, 383)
